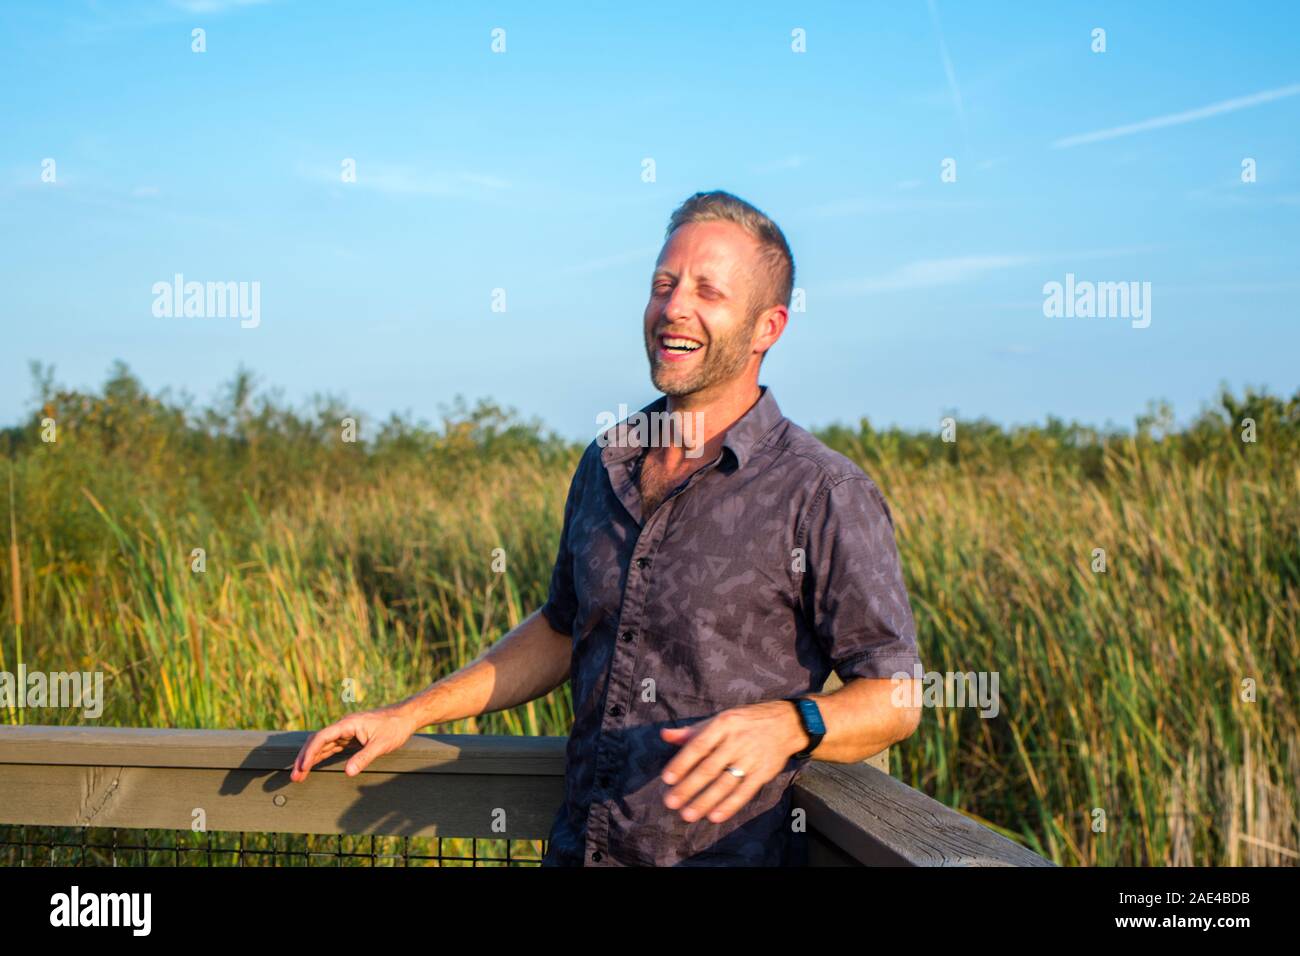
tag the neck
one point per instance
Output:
(715, 413)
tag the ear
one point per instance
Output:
(768, 327)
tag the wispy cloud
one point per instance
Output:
(214, 6)
(489, 182)
(863, 206)
(1177, 119)
(948, 70)
(397, 180)
(92, 22)
(929, 273)
(119, 204)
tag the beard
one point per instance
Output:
(724, 358)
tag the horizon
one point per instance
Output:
(262, 390)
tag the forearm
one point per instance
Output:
(529, 662)
(862, 718)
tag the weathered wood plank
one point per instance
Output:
(880, 821)
(272, 750)
(391, 804)
(437, 785)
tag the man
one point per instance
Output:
(701, 586)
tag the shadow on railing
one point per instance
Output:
(438, 786)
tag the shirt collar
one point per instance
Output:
(621, 441)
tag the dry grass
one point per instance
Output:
(1124, 694)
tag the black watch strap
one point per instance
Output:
(811, 717)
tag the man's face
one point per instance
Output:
(699, 327)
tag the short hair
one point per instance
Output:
(776, 285)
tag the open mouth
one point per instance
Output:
(676, 346)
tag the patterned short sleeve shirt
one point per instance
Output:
(760, 573)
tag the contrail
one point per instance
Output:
(947, 66)
(1174, 119)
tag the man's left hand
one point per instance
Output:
(756, 738)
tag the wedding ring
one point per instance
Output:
(735, 771)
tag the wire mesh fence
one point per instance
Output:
(95, 846)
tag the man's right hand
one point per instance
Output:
(379, 731)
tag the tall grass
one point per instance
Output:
(1148, 713)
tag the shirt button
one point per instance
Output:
(628, 635)
(595, 856)
(643, 562)
(615, 711)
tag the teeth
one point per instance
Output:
(685, 344)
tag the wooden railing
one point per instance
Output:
(446, 785)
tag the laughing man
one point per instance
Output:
(700, 598)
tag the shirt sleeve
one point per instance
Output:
(561, 605)
(853, 587)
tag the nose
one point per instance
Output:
(675, 309)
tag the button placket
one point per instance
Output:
(626, 654)
(622, 678)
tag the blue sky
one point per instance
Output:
(522, 170)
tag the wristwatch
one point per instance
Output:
(811, 716)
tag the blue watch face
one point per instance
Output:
(812, 717)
